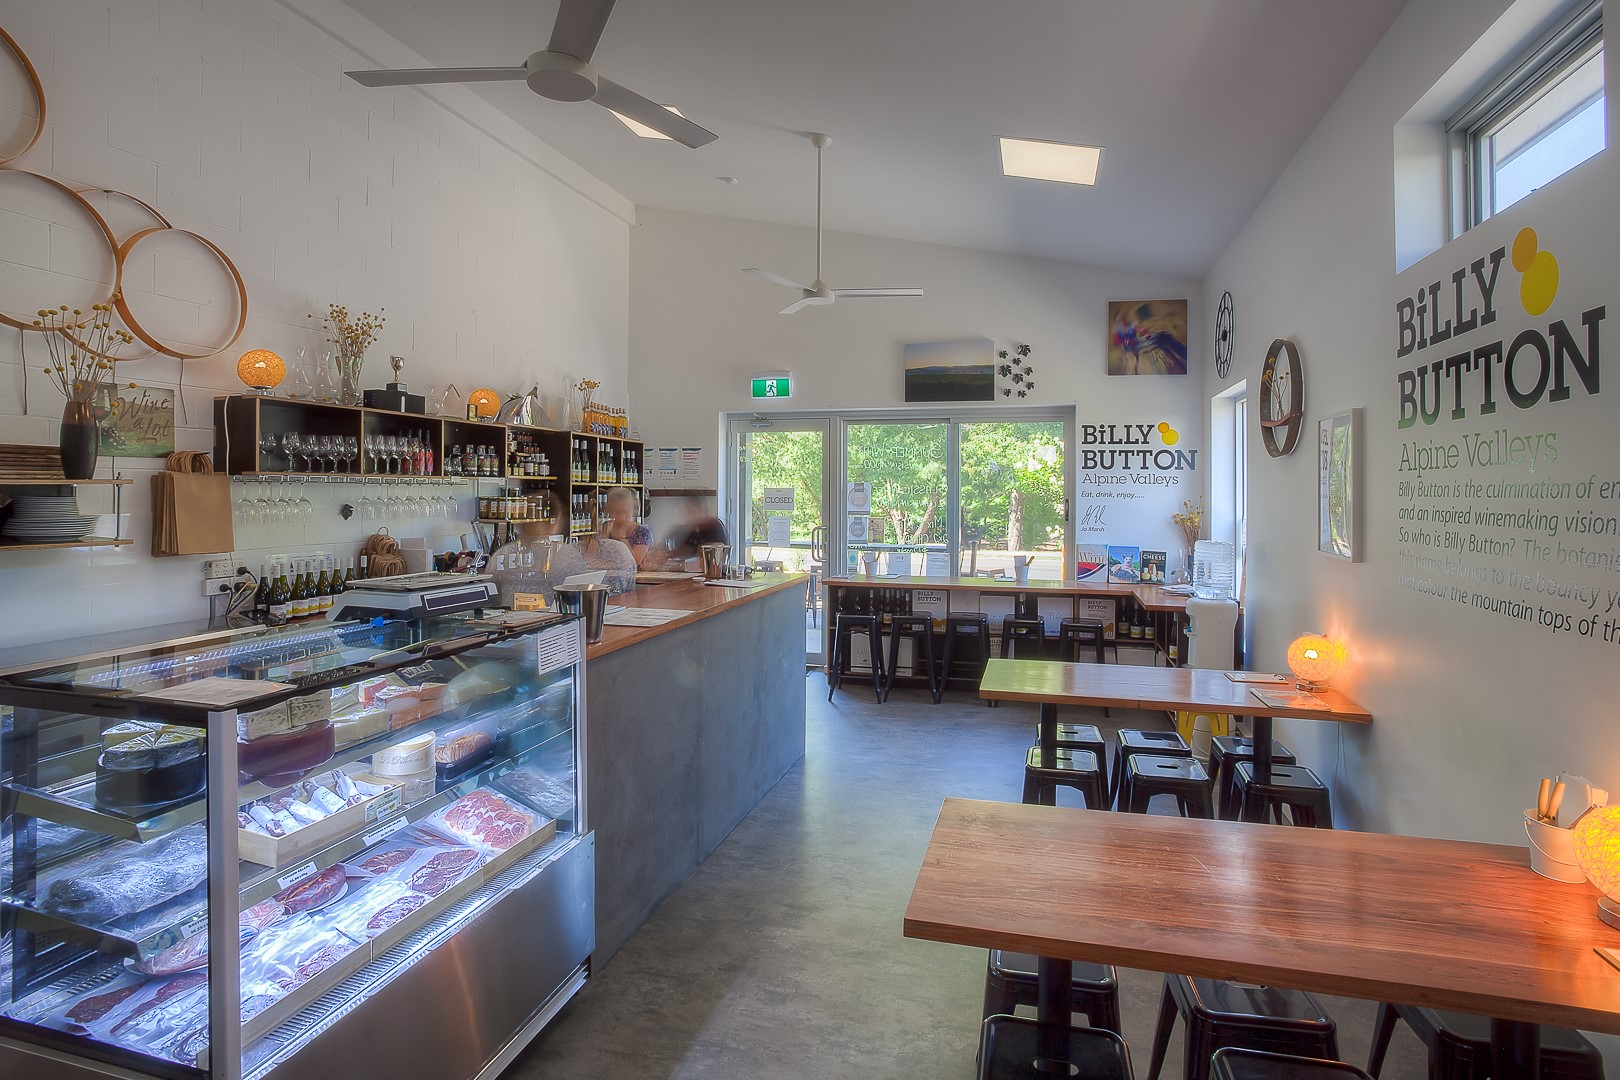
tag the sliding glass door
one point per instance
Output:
(1014, 498)
(898, 494)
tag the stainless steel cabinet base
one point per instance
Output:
(475, 1000)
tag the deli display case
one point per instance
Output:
(383, 826)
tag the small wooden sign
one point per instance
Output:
(136, 421)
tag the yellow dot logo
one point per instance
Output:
(1538, 285)
(1169, 434)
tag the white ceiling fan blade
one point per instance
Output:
(424, 76)
(778, 278)
(808, 301)
(856, 294)
(579, 27)
(625, 102)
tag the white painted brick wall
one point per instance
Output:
(233, 118)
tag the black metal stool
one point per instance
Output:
(969, 629)
(1460, 1045)
(1140, 741)
(1220, 1014)
(1009, 1047)
(1077, 634)
(1225, 751)
(1082, 737)
(1234, 1064)
(1293, 786)
(1078, 769)
(1010, 981)
(843, 628)
(1147, 775)
(1023, 639)
(920, 630)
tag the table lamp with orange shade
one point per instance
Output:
(261, 371)
(1597, 850)
(1314, 660)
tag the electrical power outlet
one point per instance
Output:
(219, 568)
(216, 586)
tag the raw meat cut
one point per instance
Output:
(92, 1009)
(396, 911)
(178, 985)
(321, 961)
(139, 877)
(553, 795)
(486, 820)
(193, 951)
(443, 871)
(384, 861)
(314, 891)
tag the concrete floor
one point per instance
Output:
(782, 956)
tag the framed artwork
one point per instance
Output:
(1147, 337)
(1338, 446)
(136, 421)
(951, 370)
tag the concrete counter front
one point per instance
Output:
(689, 724)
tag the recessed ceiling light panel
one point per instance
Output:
(643, 130)
(1038, 159)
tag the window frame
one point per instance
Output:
(1512, 88)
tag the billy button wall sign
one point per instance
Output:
(1282, 398)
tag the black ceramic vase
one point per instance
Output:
(80, 439)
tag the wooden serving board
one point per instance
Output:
(277, 1014)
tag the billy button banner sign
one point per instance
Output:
(1146, 455)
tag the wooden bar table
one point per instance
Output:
(1438, 923)
(1051, 684)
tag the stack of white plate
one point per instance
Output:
(46, 519)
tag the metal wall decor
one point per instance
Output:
(119, 248)
(1282, 398)
(1223, 336)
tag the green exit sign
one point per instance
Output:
(773, 386)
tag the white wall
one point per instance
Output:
(1470, 707)
(500, 263)
(699, 327)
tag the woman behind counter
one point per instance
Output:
(621, 524)
(538, 558)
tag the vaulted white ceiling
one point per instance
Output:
(1199, 105)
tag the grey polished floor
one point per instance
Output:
(782, 957)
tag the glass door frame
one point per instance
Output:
(836, 467)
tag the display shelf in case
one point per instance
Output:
(61, 959)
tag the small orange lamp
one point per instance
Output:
(1314, 660)
(261, 370)
(1597, 850)
(482, 403)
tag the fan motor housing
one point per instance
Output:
(560, 77)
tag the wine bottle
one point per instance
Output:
(261, 595)
(323, 588)
(365, 571)
(296, 608)
(280, 595)
(310, 601)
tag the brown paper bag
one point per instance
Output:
(191, 507)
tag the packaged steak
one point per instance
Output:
(289, 954)
(443, 869)
(132, 879)
(315, 891)
(192, 953)
(552, 793)
(484, 820)
(380, 905)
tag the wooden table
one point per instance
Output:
(1439, 923)
(1051, 684)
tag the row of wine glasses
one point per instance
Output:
(317, 453)
(404, 503)
(395, 455)
(258, 508)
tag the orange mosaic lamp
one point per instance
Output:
(1314, 660)
(1597, 850)
(483, 403)
(261, 371)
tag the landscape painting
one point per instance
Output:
(1147, 337)
(951, 370)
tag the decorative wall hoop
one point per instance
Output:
(26, 322)
(147, 338)
(1282, 398)
(39, 94)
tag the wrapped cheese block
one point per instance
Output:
(149, 767)
(411, 757)
(311, 709)
(354, 727)
(273, 720)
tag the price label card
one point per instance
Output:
(386, 831)
(528, 601)
(559, 648)
(287, 881)
(193, 927)
(385, 804)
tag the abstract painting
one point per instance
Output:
(1147, 337)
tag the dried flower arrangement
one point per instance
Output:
(82, 349)
(1190, 521)
(352, 336)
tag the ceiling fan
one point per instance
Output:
(562, 71)
(818, 292)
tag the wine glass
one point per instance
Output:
(331, 449)
(291, 447)
(268, 444)
(242, 507)
(304, 508)
(264, 509)
(350, 452)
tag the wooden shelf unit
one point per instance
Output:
(7, 544)
(24, 466)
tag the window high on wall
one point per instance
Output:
(1541, 115)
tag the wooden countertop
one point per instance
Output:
(1171, 689)
(1442, 923)
(701, 601)
(1151, 597)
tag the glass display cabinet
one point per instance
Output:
(383, 826)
